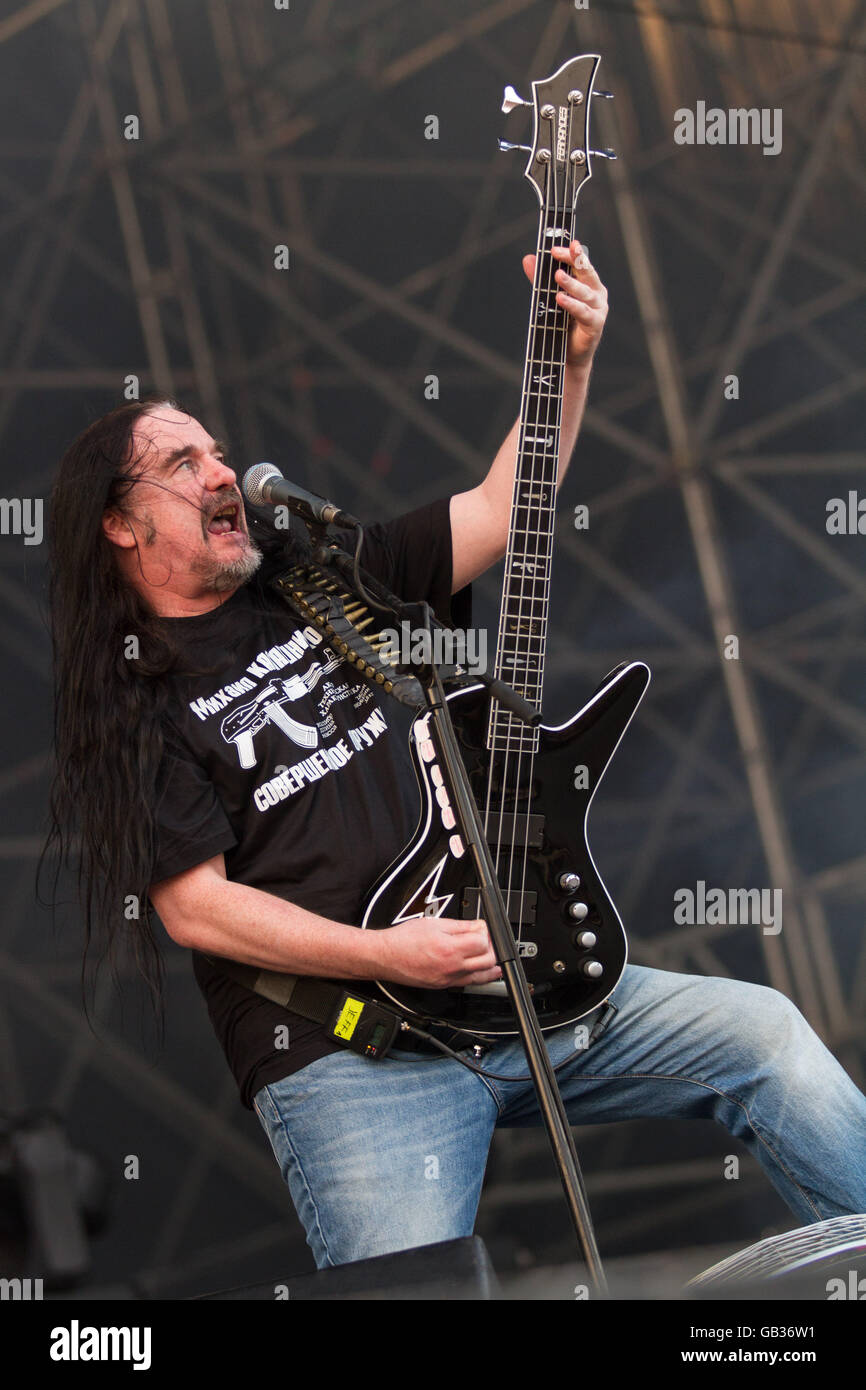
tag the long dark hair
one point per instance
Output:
(108, 703)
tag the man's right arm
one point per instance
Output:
(202, 909)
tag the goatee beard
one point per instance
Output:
(221, 577)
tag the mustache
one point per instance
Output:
(231, 497)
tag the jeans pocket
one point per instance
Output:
(264, 1107)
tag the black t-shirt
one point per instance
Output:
(294, 766)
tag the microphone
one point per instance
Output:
(264, 485)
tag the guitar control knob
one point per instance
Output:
(592, 968)
(585, 940)
(570, 882)
(578, 911)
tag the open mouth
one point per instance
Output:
(225, 521)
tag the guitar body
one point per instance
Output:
(560, 929)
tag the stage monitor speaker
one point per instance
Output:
(825, 1260)
(451, 1269)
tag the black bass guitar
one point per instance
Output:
(534, 787)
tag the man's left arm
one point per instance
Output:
(481, 516)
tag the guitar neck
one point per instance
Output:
(523, 618)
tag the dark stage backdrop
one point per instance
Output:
(154, 158)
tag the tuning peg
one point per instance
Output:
(609, 95)
(510, 99)
(508, 145)
(603, 154)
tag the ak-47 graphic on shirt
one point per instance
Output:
(241, 726)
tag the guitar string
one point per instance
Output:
(516, 731)
(494, 719)
(557, 352)
(535, 488)
(494, 724)
(499, 716)
(535, 501)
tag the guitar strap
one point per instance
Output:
(308, 996)
(327, 599)
(329, 603)
(361, 1024)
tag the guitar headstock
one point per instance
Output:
(560, 157)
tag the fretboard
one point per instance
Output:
(523, 619)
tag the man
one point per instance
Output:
(186, 689)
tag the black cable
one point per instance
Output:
(479, 1071)
(356, 574)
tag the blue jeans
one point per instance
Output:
(383, 1156)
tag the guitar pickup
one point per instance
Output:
(521, 906)
(506, 828)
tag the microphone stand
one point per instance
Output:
(495, 912)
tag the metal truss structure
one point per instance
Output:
(145, 248)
